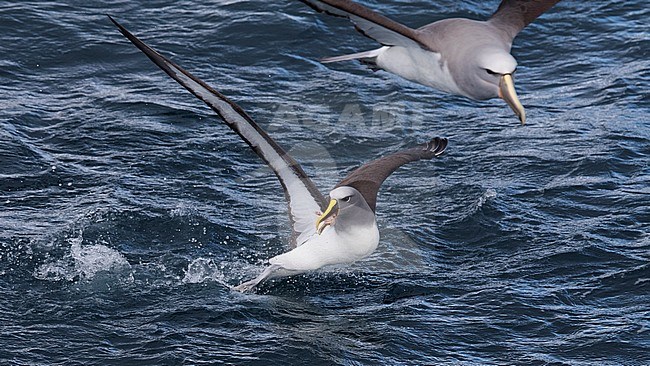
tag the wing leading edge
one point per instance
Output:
(514, 15)
(368, 178)
(370, 23)
(303, 198)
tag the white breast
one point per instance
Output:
(418, 65)
(330, 248)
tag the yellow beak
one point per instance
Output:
(507, 92)
(321, 223)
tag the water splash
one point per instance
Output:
(202, 270)
(83, 262)
(487, 196)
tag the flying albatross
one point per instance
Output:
(456, 55)
(346, 229)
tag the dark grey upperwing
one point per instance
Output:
(368, 178)
(304, 199)
(514, 15)
(371, 24)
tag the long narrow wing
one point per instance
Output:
(368, 178)
(304, 199)
(514, 15)
(371, 24)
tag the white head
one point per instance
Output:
(483, 73)
(492, 76)
(486, 73)
(347, 209)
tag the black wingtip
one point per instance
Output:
(437, 145)
(114, 21)
(137, 42)
(119, 26)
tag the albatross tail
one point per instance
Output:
(367, 57)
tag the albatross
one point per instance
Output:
(340, 230)
(456, 55)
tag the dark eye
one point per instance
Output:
(346, 199)
(491, 72)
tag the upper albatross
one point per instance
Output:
(346, 230)
(456, 55)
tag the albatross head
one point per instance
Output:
(347, 209)
(493, 73)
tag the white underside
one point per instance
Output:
(329, 248)
(418, 65)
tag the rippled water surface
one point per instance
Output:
(127, 208)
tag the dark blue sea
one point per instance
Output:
(128, 209)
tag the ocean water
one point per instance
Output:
(128, 210)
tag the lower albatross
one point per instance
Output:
(456, 55)
(346, 230)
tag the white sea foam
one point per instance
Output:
(83, 262)
(204, 270)
(488, 195)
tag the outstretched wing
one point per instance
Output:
(368, 178)
(304, 199)
(371, 24)
(514, 15)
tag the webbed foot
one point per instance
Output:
(250, 285)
